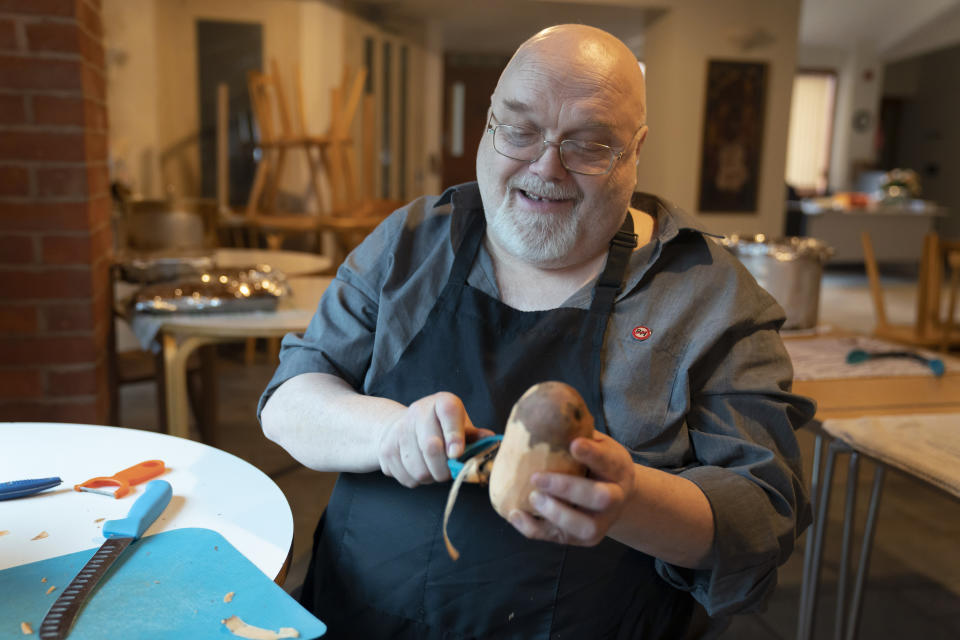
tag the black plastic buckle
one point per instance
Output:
(624, 239)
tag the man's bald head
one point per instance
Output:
(569, 116)
(586, 55)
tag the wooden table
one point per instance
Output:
(179, 335)
(212, 489)
(182, 334)
(842, 402)
(290, 263)
(857, 397)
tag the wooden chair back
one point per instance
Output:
(929, 328)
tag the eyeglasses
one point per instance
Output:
(527, 145)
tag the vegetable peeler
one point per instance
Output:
(485, 449)
(123, 480)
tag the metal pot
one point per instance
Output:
(789, 268)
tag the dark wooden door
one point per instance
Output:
(469, 81)
(226, 51)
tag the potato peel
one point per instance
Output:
(26, 629)
(241, 629)
(469, 468)
(40, 536)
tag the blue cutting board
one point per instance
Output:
(169, 585)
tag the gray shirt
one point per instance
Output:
(704, 394)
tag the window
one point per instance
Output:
(811, 131)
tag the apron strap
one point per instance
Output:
(610, 281)
(604, 294)
(465, 254)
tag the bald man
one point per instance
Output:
(542, 270)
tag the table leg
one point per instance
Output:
(808, 544)
(865, 547)
(805, 626)
(849, 515)
(160, 373)
(175, 355)
(207, 416)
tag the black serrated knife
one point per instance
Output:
(119, 533)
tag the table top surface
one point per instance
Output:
(291, 263)
(926, 446)
(211, 489)
(842, 395)
(293, 314)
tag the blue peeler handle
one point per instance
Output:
(21, 488)
(456, 464)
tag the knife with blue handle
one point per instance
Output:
(21, 488)
(119, 533)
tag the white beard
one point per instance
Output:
(539, 239)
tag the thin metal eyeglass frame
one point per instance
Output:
(614, 154)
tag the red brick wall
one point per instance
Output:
(55, 235)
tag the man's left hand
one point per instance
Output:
(577, 510)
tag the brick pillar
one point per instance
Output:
(55, 234)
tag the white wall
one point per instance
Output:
(131, 55)
(859, 87)
(677, 49)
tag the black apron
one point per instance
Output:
(379, 566)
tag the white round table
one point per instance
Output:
(212, 489)
(290, 263)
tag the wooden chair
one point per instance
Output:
(277, 137)
(350, 217)
(929, 329)
(352, 193)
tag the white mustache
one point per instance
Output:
(543, 189)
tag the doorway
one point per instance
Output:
(225, 52)
(468, 83)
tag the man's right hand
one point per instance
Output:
(414, 449)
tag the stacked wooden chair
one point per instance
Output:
(351, 213)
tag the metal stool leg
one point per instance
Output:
(808, 544)
(849, 515)
(820, 525)
(865, 549)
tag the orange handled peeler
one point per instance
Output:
(123, 479)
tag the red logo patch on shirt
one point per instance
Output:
(641, 333)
